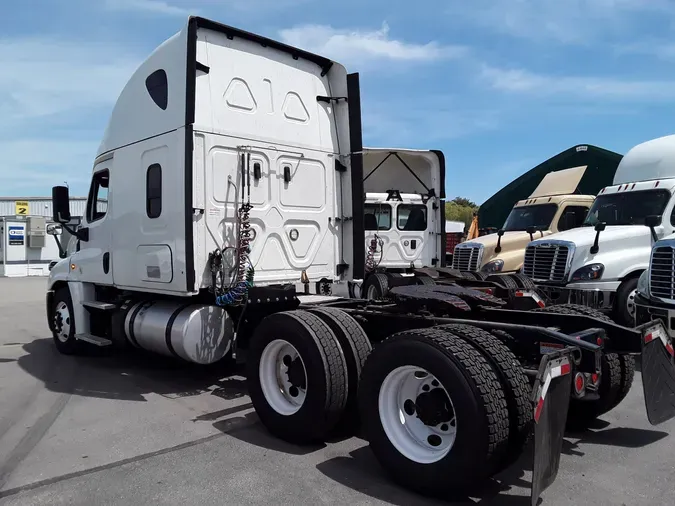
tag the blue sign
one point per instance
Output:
(15, 235)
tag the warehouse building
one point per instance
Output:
(602, 165)
(25, 247)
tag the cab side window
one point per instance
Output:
(572, 217)
(97, 204)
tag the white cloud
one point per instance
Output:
(604, 88)
(149, 6)
(361, 46)
(42, 77)
(566, 21)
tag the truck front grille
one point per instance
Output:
(662, 275)
(546, 262)
(467, 257)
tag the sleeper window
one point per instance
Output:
(153, 191)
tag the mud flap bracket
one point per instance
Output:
(551, 397)
(658, 372)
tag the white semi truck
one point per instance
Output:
(230, 170)
(404, 217)
(598, 264)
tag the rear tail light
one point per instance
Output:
(579, 384)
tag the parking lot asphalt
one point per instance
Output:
(139, 430)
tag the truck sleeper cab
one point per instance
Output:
(404, 216)
(599, 264)
(551, 208)
(220, 183)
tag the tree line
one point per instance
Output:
(460, 209)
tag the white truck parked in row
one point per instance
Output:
(404, 217)
(598, 265)
(231, 169)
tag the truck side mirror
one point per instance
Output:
(60, 204)
(653, 220)
(531, 230)
(54, 229)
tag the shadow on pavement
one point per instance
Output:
(623, 437)
(127, 376)
(362, 472)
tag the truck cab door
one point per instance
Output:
(93, 262)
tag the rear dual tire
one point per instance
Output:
(455, 430)
(302, 373)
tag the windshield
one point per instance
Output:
(539, 217)
(627, 208)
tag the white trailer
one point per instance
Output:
(231, 169)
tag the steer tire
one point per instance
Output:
(325, 375)
(503, 280)
(64, 333)
(379, 283)
(477, 399)
(516, 387)
(523, 281)
(356, 348)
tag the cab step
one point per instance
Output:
(97, 304)
(95, 340)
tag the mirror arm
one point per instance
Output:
(654, 236)
(596, 247)
(62, 252)
(82, 234)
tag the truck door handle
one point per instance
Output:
(413, 244)
(106, 262)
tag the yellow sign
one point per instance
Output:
(21, 207)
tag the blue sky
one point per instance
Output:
(498, 85)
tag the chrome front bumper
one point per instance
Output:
(647, 310)
(596, 295)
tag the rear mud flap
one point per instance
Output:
(551, 396)
(658, 372)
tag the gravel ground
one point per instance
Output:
(129, 430)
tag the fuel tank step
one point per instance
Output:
(95, 340)
(96, 304)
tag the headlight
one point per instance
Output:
(493, 266)
(643, 283)
(588, 272)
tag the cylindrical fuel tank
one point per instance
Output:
(194, 332)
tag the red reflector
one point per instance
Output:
(489, 291)
(541, 303)
(669, 347)
(564, 369)
(594, 378)
(537, 411)
(579, 383)
(599, 341)
(649, 338)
